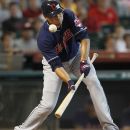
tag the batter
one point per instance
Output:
(65, 51)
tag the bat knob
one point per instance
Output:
(57, 116)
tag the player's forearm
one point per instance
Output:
(85, 47)
(62, 74)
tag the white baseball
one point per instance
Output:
(52, 28)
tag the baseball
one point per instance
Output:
(52, 28)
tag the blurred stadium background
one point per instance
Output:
(108, 23)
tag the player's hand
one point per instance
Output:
(84, 68)
(71, 85)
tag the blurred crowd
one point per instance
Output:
(20, 20)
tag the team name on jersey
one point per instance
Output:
(67, 35)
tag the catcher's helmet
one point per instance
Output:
(50, 8)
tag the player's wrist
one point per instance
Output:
(70, 82)
(83, 61)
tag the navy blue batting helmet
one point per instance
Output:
(50, 8)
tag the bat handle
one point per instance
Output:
(95, 55)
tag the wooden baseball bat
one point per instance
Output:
(70, 95)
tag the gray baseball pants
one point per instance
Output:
(52, 86)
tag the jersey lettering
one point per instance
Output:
(66, 37)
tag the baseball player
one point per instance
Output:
(65, 51)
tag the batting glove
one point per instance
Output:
(84, 68)
(71, 85)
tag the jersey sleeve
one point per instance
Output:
(77, 28)
(46, 46)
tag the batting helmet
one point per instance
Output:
(50, 8)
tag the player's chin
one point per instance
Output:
(58, 23)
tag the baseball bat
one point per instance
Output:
(70, 95)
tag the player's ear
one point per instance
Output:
(47, 19)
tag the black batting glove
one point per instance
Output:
(71, 85)
(84, 68)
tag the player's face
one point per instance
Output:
(57, 20)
